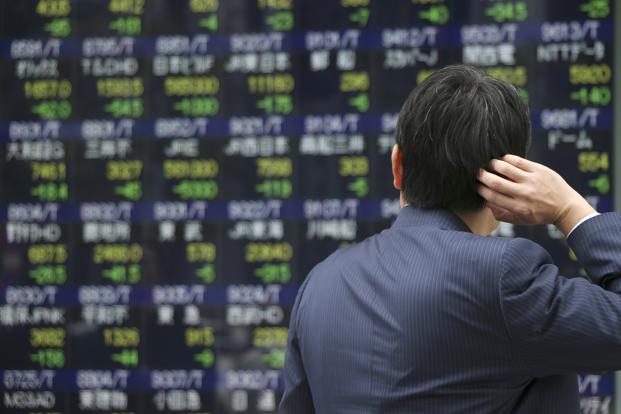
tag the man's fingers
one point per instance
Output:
(519, 162)
(495, 198)
(508, 170)
(500, 213)
(498, 184)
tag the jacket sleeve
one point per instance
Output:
(557, 324)
(297, 398)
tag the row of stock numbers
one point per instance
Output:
(592, 84)
(517, 11)
(123, 96)
(358, 12)
(47, 346)
(48, 263)
(49, 181)
(592, 87)
(202, 256)
(56, 14)
(125, 17)
(192, 179)
(356, 85)
(355, 169)
(193, 95)
(51, 98)
(272, 341)
(274, 174)
(123, 343)
(438, 13)
(432, 11)
(278, 14)
(271, 260)
(125, 177)
(274, 92)
(119, 262)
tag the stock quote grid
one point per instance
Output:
(172, 169)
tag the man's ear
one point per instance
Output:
(396, 159)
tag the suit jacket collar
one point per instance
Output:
(444, 219)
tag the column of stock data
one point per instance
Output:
(171, 170)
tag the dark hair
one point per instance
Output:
(452, 125)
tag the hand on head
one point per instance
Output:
(520, 191)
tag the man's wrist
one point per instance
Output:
(576, 211)
(589, 216)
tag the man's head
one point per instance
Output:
(450, 126)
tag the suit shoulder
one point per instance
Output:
(353, 253)
(506, 247)
(345, 261)
(520, 250)
(480, 248)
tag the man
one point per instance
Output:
(431, 316)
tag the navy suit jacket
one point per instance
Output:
(426, 317)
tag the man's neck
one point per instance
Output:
(481, 222)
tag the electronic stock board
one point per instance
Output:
(171, 170)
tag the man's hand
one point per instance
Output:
(520, 191)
